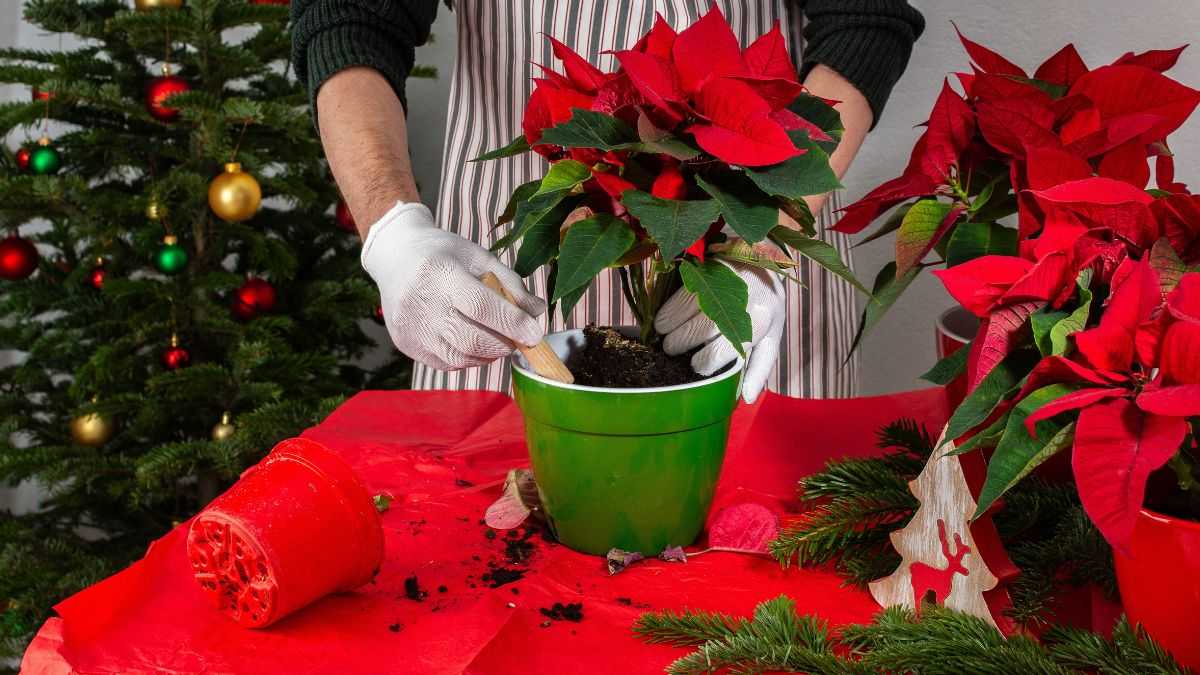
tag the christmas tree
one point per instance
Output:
(176, 282)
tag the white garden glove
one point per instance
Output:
(436, 309)
(685, 327)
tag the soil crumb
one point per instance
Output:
(572, 611)
(499, 576)
(610, 359)
(412, 589)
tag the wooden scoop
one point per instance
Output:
(541, 357)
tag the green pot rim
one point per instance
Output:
(519, 364)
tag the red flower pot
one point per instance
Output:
(955, 327)
(296, 527)
(1160, 582)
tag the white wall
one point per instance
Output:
(1027, 32)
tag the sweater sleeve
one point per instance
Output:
(868, 42)
(332, 35)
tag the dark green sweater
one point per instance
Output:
(867, 41)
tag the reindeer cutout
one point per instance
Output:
(929, 566)
(928, 580)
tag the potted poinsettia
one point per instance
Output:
(1088, 305)
(665, 171)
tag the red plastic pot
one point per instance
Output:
(296, 527)
(1160, 582)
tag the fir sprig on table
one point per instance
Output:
(938, 642)
(853, 505)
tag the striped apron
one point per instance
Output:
(498, 43)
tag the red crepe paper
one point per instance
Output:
(743, 527)
(444, 456)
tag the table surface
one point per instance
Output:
(443, 455)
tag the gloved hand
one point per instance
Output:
(685, 327)
(436, 309)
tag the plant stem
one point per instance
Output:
(1183, 471)
(628, 291)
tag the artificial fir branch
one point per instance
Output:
(853, 504)
(938, 642)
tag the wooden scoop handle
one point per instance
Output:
(541, 357)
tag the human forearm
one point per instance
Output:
(857, 117)
(365, 136)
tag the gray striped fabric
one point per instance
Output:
(498, 43)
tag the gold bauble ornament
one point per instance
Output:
(234, 195)
(143, 5)
(223, 429)
(155, 210)
(92, 429)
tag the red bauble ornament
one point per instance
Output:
(41, 95)
(254, 297)
(23, 156)
(176, 357)
(158, 90)
(377, 316)
(96, 278)
(343, 217)
(18, 258)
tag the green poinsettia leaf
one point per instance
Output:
(751, 212)
(538, 247)
(817, 251)
(801, 176)
(1042, 322)
(884, 293)
(886, 227)
(1018, 453)
(661, 141)
(537, 209)
(946, 370)
(523, 192)
(987, 437)
(590, 245)
(518, 146)
(826, 117)
(996, 386)
(563, 176)
(922, 226)
(673, 224)
(590, 129)
(974, 240)
(1076, 320)
(722, 296)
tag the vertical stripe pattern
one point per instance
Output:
(498, 43)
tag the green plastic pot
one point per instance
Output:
(633, 469)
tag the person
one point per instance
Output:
(354, 56)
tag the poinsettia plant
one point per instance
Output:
(1031, 193)
(681, 159)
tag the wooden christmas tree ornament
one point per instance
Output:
(945, 558)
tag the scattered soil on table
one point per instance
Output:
(412, 589)
(625, 601)
(610, 359)
(395, 627)
(442, 589)
(498, 575)
(572, 611)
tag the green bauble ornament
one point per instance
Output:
(170, 257)
(44, 160)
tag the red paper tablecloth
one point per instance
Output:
(444, 455)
